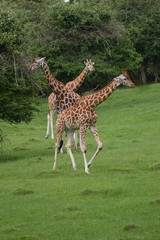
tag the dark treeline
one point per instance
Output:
(116, 35)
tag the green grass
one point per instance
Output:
(118, 200)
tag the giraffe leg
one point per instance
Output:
(68, 147)
(58, 139)
(51, 122)
(93, 129)
(83, 147)
(75, 141)
(48, 122)
(79, 141)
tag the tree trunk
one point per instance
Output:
(156, 72)
(143, 79)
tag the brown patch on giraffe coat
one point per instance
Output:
(69, 99)
(62, 103)
(62, 95)
(71, 85)
(104, 97)
(73, 120)
(81, 111)
(86, 102)
(99, 99)
(76, 111)
(83, 104)
(68, 112)
(64, 91)
(109, 94)
(96, 102)
(91, 102)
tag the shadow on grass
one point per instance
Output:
(45, 175)
(104, 193)
(11, 230)
(25, 153)
(29, 238)
(72, 209)
(157, 201)
(155, 166)
(131, 227)
(22, 192)
(122, 170)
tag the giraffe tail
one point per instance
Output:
(60, 146)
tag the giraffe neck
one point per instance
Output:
(75, 84)
(95, 99)
(56, 86)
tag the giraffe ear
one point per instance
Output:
(85, 62)
(93, 63)
(41, 60)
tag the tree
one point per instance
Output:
(141, 19)
(71, 33)
(16, 95)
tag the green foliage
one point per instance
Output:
(141, 19)
(85, 30)
(116, 35)
(10, 32)
(16, 103)
(16, 95)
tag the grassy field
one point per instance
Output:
(118, 200)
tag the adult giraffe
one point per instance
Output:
(72, 86)
(82, 116)
(64, 98)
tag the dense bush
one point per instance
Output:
(116, 35)
(16, 95)
(72, 33)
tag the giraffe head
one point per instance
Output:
(36, 63)
(89, 65)
(124, 79)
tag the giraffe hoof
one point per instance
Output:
(54, 168)
(75, 169)
(46, 137)
(61, 152)
(87, 171)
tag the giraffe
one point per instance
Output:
(64, 98)
(76, 83)
(72, 86)
(82, 116)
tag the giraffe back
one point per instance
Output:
(66, 100)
